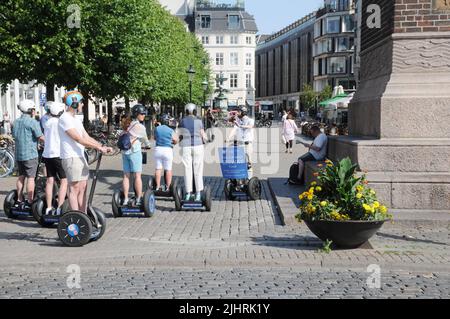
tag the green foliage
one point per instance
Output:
(326, 93)
(308, 97)
(326, 248)
(341, 195)
(132, 48)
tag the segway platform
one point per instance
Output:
(147, 208)
(235, 167)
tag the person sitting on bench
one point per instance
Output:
(317, 150)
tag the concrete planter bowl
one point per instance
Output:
(345, 234)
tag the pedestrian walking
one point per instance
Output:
(289, 130)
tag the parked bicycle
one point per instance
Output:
(7, 158)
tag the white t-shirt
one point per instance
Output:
(321, 141)
(70, 148)
(52, 140)
(138, 132)
(246, 134)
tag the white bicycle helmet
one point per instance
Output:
(190, 108)
(26, 106)
(56, 108)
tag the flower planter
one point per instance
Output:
(345, 234)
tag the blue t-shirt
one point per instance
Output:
(190, 128)
(163, 136)
(26, 132)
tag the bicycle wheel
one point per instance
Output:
(6, 163)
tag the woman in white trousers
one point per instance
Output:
(192, 146)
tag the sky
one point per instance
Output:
(272, 16)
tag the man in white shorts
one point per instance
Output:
(74, 139)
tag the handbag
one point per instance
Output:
(124, 143)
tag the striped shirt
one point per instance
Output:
(26, 132)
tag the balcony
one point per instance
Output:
(332, 9)
(238, 5)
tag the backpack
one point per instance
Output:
(293, 176)
(124, 143)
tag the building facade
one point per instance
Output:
(284, 65)
(228, 34)
(334, 45)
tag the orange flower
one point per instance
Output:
(316, 174)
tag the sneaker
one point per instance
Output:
(139, 202)
(187, 197)
(49, 211)
(58, 212)
(290, 151)
(198, 197)
(26, 205)
(126, 201)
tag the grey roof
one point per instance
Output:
(219, 20)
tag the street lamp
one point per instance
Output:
(191, 73)
(205, 85)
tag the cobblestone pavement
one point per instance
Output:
(240, 249)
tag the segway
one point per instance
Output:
(75, 228)
(147, 207)
(14, 211)
(165, 193)
(235, 169)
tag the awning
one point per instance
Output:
(333, 100)
(341, 102)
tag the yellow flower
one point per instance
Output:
(318, 189)
(359, 188)
(376, 204)
(383, 209)
(313, 184)
(310, 197)
(324, 204)
(367, 208)
(372, 192)
(328, 161)
(359, 196)
(320, 165)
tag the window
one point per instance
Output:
(234, 39)
(233, 81)
(348, 24)
(248, 59)
(344, 44)
(318, 29)
(337, 65)
(233, 22)
(344, 5)
(219, 39)
(206, 22)
(248, 80)
(248, 40)
(333, 24)
(234, 58)
(205, 39)
(219, 59)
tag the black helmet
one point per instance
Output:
(244, 111)
(165, 120)
(138, 109)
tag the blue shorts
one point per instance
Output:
(132, 163)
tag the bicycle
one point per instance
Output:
(7, 158)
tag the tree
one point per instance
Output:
(308, 97)
(326, 93)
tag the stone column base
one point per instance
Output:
(408, 174)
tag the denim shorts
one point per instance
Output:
(132, 163)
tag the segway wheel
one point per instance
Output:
(151, 183)
(98, 232)
(38, 208)
(229, 190)
(207, 202)
(149, 204)
(117, 201)
(75, 229)
(254, 188)
(9, 203)
(178, 197)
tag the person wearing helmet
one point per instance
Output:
(27, 133)
(132, 158)
(74, 139)
(194, 136)
(52, 158)
(165, 138)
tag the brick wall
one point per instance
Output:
(421, 16)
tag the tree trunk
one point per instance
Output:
(50, 91)
(110, 115)
(86, 113)
(127, 104)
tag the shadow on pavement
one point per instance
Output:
(296, 242)
(411, 239)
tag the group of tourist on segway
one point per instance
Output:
(64, 201)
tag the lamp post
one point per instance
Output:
(191, 73)
(205, 85)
